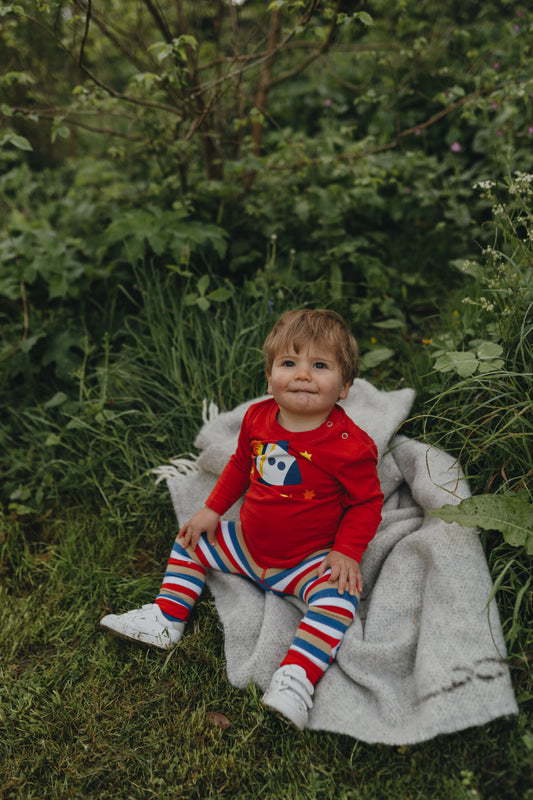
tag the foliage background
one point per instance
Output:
(175, 174)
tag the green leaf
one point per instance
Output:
(186, 39)
(202, 284)
(22, 510)
(5, 10)
(220, 295)
(511, 514)
(489, 350)
(27, 344)
(491, 365)
(375, 357)
(184, 273)
(17, 141)
(464, 364)
(389, 324)
(468, 267)
(364, 17)
(57, 400)
(52, 439)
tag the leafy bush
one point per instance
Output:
(483, 408)
(488, 345)
(354, 147)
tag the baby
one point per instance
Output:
(312, 503)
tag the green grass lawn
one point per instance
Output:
(85, 715)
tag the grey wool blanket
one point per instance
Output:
(425, 655)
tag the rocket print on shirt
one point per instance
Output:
(275, 466)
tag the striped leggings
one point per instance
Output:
(328, 615)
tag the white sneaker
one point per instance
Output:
(147, 624)
(290, 693)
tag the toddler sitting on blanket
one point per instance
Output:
(312, 504)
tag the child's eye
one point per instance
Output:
(320, 365)
(287, 363)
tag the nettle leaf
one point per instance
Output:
(511, 514)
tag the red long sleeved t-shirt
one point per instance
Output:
(305, 491)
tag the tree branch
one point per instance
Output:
(51, 113)
(108, 33)
(326, 44)
(265, 78)
(86, 31)
(303, 20)
(159, 18)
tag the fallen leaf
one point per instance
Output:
(218, 719)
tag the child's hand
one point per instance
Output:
(204, 520)
(345, 570)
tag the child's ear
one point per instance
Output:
(269, 388)
(344, 391)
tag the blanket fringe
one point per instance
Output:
(209, 412)
(176, 467)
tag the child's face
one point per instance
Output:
(306, 386)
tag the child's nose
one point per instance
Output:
(303, 373)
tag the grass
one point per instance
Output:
(85, 715)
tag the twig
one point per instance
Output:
(390, 145)
(85, 32)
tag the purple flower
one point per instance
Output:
(494, 106)
(327, 101)
(417, 131)
(496, 65)
(530, 129)
(455, 147)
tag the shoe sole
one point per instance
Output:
(138, 637)
(281, 715)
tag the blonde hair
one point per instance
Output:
(298, 329)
